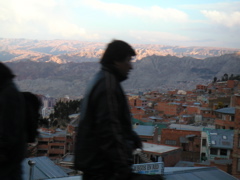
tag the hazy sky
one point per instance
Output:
(213, 23)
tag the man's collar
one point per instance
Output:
(112, 69)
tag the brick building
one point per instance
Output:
(225, 118)
(207, 112)
(192, 110)
(137, 101)
(170, 155)
(201, 87)
(54, 144)
(189, 141)
(138, 112)
(169, 108)
(236, 144)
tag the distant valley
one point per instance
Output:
(60, 67)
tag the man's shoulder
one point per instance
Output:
(101, 81)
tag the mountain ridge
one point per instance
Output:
(153, 72)
(64, 51)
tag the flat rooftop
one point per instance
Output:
(157, 148)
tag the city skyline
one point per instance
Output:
(212, 23)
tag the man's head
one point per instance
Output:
(119, 54)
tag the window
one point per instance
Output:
(213, 151)
(57, 147)
(204, 142)
(170, 142)
(224, 137)
(42, 151)
(238, 165)
(223, 117)
(238, 140)
(223, 152)
(219, 115)
(42, 142)
(231, 118)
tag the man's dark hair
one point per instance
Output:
(117, 50)
(5, 72)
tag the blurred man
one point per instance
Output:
(12, 127)
(105, 139)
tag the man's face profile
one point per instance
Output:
(124, 66)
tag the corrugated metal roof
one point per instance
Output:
(184, 164)
(205, 109)
(68, 178)
(185, 127)
(196, 173)
(61, 133)
(44, 169)
(68, 158)
(155, 117)
(184, 173)
(158, 148)
(221, 138)
(144, 130)
(67, 170)
(229, 110)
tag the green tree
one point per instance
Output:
(220, 105)
(62, 110)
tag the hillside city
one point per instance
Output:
(196, 128)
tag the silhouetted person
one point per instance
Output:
(105, 139)
(32, 115)
(12, 127)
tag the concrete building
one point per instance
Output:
(147, 133)
(216, 144)
(170, 155)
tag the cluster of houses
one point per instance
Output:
(198, 128)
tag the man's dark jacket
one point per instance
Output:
(105, 139)
(12, 128)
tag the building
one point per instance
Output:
(147, 133)
(216, 144)
(225, 118)
(189, 141)
(54, 144)
(170, 155)
(196, 173)
(42, 168)
(169, 108)
(201, 87)
(236, 144)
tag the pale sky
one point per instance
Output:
(214, 23)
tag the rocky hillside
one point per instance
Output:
(152, 72)
(63, 51)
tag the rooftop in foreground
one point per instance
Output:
(157, 148)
